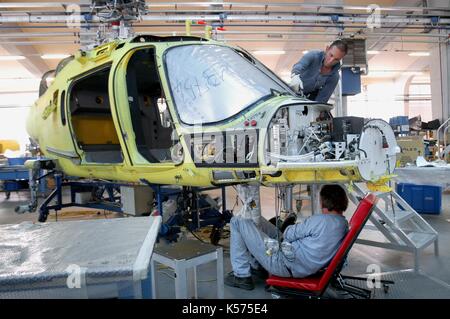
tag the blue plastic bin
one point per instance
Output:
(14, 186)
(424, 199)
(11, 186)
(399, 120)
(14, 161)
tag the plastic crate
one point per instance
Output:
(424, 199)
(399, 120)
(11, 186)
(400, 124)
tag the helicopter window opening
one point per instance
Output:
(305, 111)
(120, 46)
(63, 107)
(92, 121)
(150, 116)
(46, 81)
(213, 83)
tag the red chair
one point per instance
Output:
(314, 286)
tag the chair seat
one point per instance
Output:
(317, 283)
(311, 283)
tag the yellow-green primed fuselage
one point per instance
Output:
(157, 109)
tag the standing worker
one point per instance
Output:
(317, 73)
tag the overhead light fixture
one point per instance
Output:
(269, 52)
(413, 73)
(54, 56)
(391, 73)
(373, 52)
(379, 74)
(11, 57)
(419, 54)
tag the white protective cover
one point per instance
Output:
(76, 259)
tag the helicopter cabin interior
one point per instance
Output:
(90, 111)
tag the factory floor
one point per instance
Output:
(432, 281)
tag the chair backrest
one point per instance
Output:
(356, 224)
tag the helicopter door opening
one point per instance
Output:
(91, 119)
(150, 116)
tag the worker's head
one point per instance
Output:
(334, 53)
(333, 199)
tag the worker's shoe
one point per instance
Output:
(260, 272)
(239, 282)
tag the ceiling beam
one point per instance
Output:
(33, 63)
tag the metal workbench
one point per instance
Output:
(437, 176)
(107, 258)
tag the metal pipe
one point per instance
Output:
(39, 42)
(216, 17)
(293, 18)
(326, 39)
(319, 40)
(444, 125)
(445, 138)
(17, 92)
(42, 35)
(295, 4)
(225, 11)
(264, 5)
(372, 35)
(13, 5)
(248, 25)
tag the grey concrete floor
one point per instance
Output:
(433, 280)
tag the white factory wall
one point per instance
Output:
(16, 96)
(386, 98)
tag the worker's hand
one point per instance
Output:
(296, 83)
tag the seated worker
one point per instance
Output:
(305, 249)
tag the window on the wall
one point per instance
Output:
(377, 99)
(418, 99)
(390, 97)
(14, 109)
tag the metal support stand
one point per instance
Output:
(286, 193)
(183, 258)
(401, 225)
(315, 201)
(199, 212)
(109, 202)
